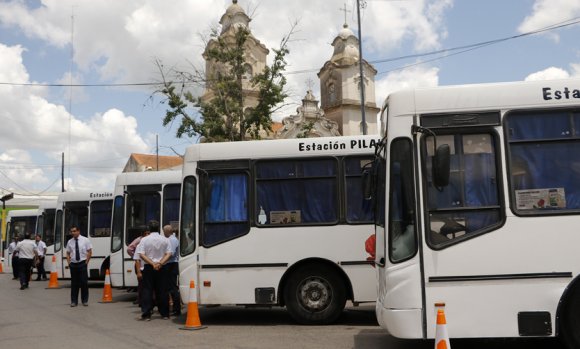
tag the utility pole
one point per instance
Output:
(62, 174)
(157, 149)
(360, 64)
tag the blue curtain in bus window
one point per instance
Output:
(540, 126)
(226, 215)
(227, 199)
(480, 181)
(287, 186)
(548, 166)
(357, 208)
(101, 218)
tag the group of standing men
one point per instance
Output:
(156, 259)
(155, 255)
(25, 254)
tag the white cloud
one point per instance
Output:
(118, 41)
(409, 78)
(34, 128)
(550, 73)
(548, 12)
(126, 44)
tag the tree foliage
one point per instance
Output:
(225, 117)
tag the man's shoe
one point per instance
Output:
(146, 317)
(36, 279)
(85, 304)
(73, 305)
(22, 287)
(166, 318)
(176, 313)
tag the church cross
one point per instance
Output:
(345, 11)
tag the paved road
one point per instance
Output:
(41, 318)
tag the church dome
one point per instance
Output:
(345, 47)
(345, 32)
(235, 17)
(234, 9)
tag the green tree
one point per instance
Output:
(223, 117)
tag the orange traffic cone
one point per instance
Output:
(1, 268)
(53, 281)
(441, 336)
(192, 322)
(107, 292)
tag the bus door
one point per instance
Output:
(116, 265)
(397, 243)
(59, 243)
(75, 213)
(456, 217)
(100, 235)
(45, 227)
(143, 204)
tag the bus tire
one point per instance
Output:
(314, 295)
(569, 321)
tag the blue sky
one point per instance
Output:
(117, 42)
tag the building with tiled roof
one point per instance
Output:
(152, 162)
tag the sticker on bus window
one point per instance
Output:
(285, 217)
(534, 199)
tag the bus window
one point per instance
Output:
(402, 238)
(46, 228)
(76, 213)
(358, 210)
(117, 227)
(297, 192)
(470, 203)
(226, 208)
(101, 218)
(171, 205)
(142, 207)
(544, 157)
(188, 214)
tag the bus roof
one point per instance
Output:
(482, 97)
(22, 213)
(148, 177)
(282, 148)
(84, 196)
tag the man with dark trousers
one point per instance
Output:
(78, 254)
(26, 253)
(154, 250)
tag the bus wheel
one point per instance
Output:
(570, 319)
(314, 296)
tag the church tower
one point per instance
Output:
(235, 18)
(340, 87)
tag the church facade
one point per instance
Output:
(340, 110)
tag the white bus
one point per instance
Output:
(139, 198)
(18, 223)
(91, 212)
(278, 222)
(489, 225)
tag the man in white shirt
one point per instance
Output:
(78, 254)
(154, 250)
(26, 252)
(12, 251)
(41, 250)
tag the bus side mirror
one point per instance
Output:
(367, 182)
(441, 166)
